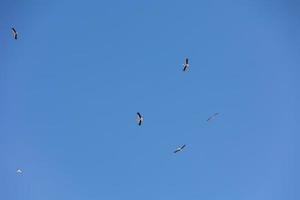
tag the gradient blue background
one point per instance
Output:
(71, 85)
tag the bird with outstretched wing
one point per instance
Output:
(212, 117)
(15, 33)
(178, 149)
(186, 64)
(139, 118)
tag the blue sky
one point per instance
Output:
(72, 83)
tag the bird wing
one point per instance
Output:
(140, 122)
(213, 116)
(139, 115)
(15, 34)
(183, 146)
(184, 68)
(186, 61)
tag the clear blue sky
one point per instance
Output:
(72, 83)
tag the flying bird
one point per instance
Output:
(140, 118)
(178, 149)
(186, 64)
(15, 33)
(19, 171)
(212, 117)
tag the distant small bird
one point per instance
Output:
(212, 117)
(178, 149)
(19, 171)
(186, 64)
(140, 118)
(15, 33)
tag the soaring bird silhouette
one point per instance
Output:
(186, 64)
(178, 149)
(15, 33)
(19, 171)
(140, 118)
(212, 117)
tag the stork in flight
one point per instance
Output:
(15, 33)
(140, 118)
(178, 149)
(186, 64)
(212, 117)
